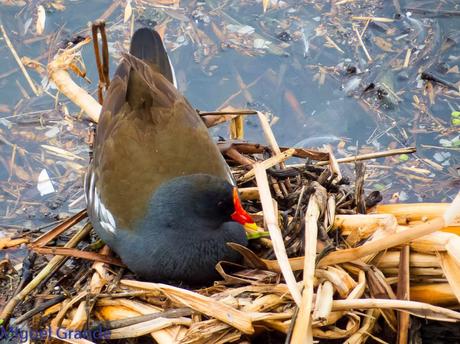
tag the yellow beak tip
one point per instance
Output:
(251, 226)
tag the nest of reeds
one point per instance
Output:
(328, 263)
(317, 268)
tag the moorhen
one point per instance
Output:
(158, 191)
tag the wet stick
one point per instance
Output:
(102, 64)
(212, 118)
(232, 153)
(230, 112)
(76, 253)
(407, 58)
(360, 40)
(58, 230)
(225, 114)
(375, 19)
(368, 156)
(19, 62)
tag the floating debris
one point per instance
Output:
(44, 184)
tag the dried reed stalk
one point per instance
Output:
(370, 319)
(114, 309)
(57, 72)
(403, 293)
(323, 304)
(302, 331)
(418, 309)
(364, 225)
(237, 128)
(342, 282)
(436, 294)
(356, 293)
(391, 259)
(392, 240)
(408, 212)
(334, 332)
(200, 303)
(270, 162)
(275, 233)
(430, 243)
(268, 133)
(57, 321)
(451, 269)
(146, 327)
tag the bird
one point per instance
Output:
(158, 191)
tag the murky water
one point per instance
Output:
(301, 62)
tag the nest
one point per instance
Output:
(319, 267)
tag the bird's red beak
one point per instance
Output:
(240, 215)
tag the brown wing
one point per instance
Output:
(148, 133)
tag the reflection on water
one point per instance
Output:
(302, 62)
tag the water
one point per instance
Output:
(283, 62)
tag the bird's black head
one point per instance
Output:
(211, 197)
(197, 200)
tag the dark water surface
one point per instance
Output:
(301, 62)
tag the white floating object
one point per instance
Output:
(233, 27)
(403, 196)
(246, 30)
(6, 123)
(52, 132)
(41, 19)
(260, 43)
(441, 156)
(438, 157)
(44, 184)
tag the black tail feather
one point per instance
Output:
(146, 44)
